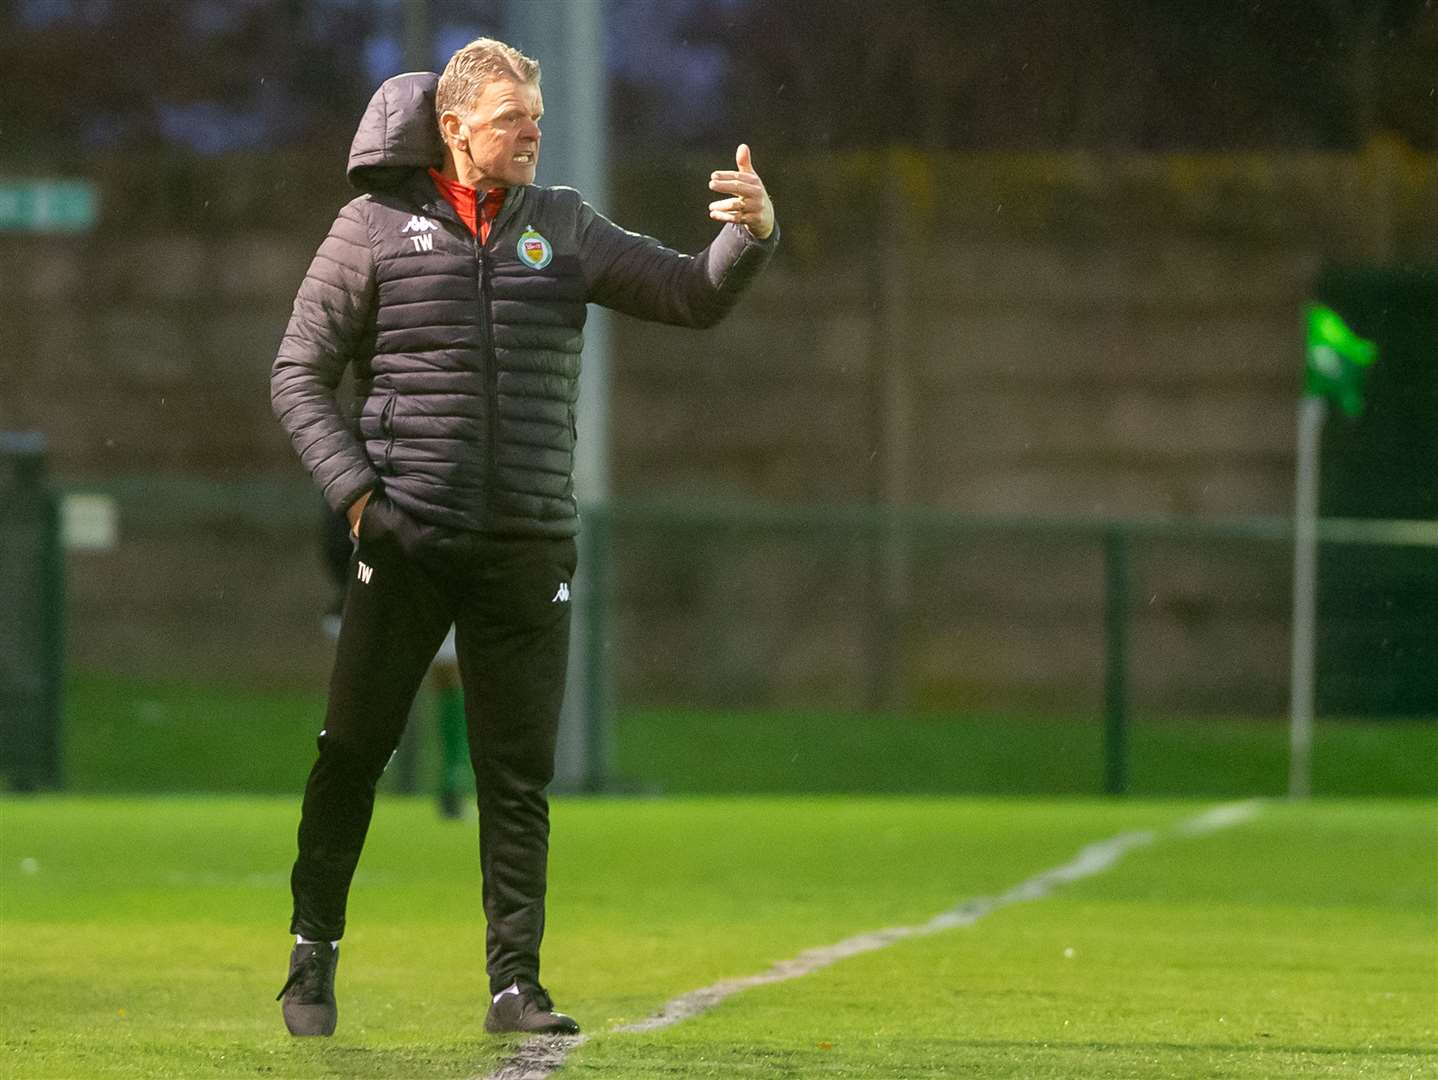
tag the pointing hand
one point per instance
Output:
(750, 205)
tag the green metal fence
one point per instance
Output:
(736, 606)
(887, 535)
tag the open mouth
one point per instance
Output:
(524, 157)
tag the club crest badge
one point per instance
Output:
(534, 250)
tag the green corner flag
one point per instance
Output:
(1337, 358)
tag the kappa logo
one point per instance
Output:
(365, 573)
(421, 227)
(562, 596)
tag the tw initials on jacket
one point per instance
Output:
(365, 573)
(421, 227)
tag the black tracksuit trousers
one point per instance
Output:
(508, 599)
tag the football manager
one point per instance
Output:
(455, 289)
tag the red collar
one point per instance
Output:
(474, 212)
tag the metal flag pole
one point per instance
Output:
(1334, 364)
(1312, 411)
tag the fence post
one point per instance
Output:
(32, 602)
(1115, 728)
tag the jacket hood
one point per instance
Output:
(397, 133)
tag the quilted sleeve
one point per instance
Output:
(331, 313)
(640, 276)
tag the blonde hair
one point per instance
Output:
(476, 65)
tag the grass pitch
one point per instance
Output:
(145, 938)
(128, 736)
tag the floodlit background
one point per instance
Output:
(984, 487)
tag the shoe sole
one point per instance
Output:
(558, 1029)
(311, 1020)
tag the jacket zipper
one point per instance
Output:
(491, 365)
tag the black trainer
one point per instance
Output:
(309, 992)
(528, 1010)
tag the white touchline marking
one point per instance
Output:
(540, 1057)
(1220, 817)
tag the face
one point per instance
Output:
(496, 143)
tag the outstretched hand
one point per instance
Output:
(750, 205)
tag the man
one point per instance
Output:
(457, 288)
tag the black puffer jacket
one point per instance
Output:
(466, 355)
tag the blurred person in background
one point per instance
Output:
(457, 289)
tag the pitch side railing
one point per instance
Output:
(890, 531)
(33, 716)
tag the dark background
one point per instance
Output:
(1041, 260)
(214, 76)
